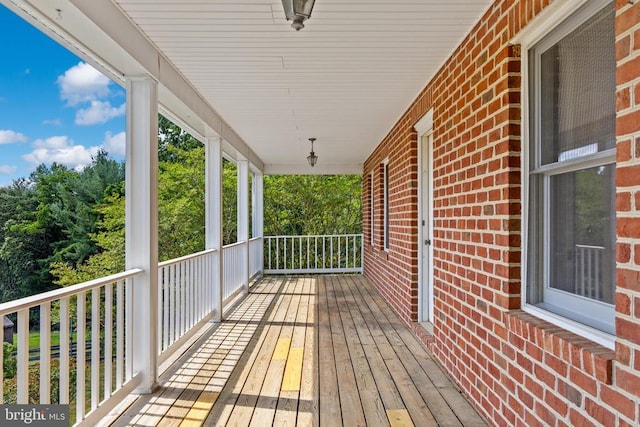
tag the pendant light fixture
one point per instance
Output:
(312, 158)
(297, 11)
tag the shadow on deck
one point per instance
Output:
(319, 350)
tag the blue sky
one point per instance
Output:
(53, 106)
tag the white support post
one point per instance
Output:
(213, 217)
(141, 227)
(243, 217)
(258, 213)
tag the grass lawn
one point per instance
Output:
(34, 339)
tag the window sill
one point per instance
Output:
(590, 357)
(591, 334)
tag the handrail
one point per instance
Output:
(233, 245)
(253, 239)
(175, 261)
(35, 300)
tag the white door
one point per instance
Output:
(426, 221)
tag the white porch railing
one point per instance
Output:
(256, 249)
(103, 343)
(185, 297)
(96, 333)
(234, 274)
(313, 254)
(588, 273)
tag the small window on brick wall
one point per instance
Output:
(571, 219)
(385, 183)
(371, 209)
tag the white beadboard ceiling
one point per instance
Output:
(345, 79)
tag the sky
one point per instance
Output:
(54, 107)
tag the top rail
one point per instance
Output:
(233, 245)
(185, 258)
(35, 300)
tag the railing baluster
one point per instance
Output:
(188, 282)
(119, 333)
(108, 339)
(80, 354)
(23, 357)
(346, 251)
(596, 273)
(284, 243)
(331, 252)
(198, 295)
(164, 277)
(128, 332)
(183, 305)
(45, 353)
(95, 348)
(172, 303)
(324, 250)
(64, 351)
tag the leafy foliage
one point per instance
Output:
(297, 205)
(61, 226)
(50, 218)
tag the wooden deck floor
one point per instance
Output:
(323, 350)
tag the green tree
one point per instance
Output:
(229, 202)
(181, 203)
(296, 205)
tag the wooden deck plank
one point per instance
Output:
(241, 401)
(442, 397)
(353, 413)
(385, 343)
(399, 418)
(307, 351)
(200, 410)
(357, 341)
(287, 409)
(329, 399)
(265, 410)
(308, 409)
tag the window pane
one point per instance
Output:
(582, 233)
(577, 91)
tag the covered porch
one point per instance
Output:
(303, 350)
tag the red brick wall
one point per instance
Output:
(516, 368)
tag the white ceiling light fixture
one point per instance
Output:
(297, 11)
(312, 158)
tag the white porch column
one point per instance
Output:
(258, 213)
(243, 217)
(141, 226)
(213, 216)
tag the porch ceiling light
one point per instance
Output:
(297, 11)
(312, 158)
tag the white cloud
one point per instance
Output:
(115, 144)
(60, 149)
(7, 169)
(53, 122)
(10, 137)
(98, 112)
(82, 83)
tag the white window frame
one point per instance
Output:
(372, 199)
(554, 15)
(385, 195)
